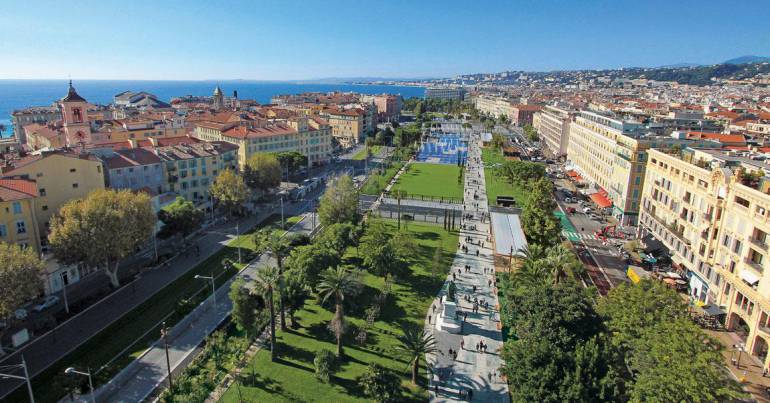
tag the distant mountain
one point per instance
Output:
(679, 65)
(747, 59)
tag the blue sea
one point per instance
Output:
(18, 94)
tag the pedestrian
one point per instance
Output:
(435, 388)
(454, 277)
(489, 284)
(477, 252)
(429, 319)
(465, 316)
(454, 357)
(489, 376)
(462, 344)
(450, 351)
(470, 394)
(474, 288)
(764, 372)
(477, 347)
(434, 308)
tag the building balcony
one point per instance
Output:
(764, 330)
(754, 265)
(706, 216)
(758, 243)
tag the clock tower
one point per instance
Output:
(74, 114)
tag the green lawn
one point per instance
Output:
(496, 185)
(291, 378)
(435, 180)
(361, 154)
(51, 384)
(376, 183)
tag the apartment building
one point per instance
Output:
(60, 175)
(523, 114)
(135, 169)
(36, 114)
(608, 153)
(552, 124)
(447, 93)
(388, 107)
(612, 155)
(190, 168)
(18, 223)
(493, 106)
(711, 208)
(310, 136)
(347, 125)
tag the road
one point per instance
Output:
(140, 378)
(42, 352)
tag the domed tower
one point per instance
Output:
(219, 99)
(75, 118)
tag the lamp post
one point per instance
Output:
(24, 378)
(164, 335)
(73, 371)
(213, 287)
(238, 235)
(64, 292)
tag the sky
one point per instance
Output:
(308, 39)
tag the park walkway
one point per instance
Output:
(139, 379)
(473, 370)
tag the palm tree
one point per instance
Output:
(559, 259)
(266, 281)
(339, 283)
(271, 242)
(416, 343)
(399, 194)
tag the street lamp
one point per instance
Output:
(25, 378)
(213, 287)
(73, 371)
(238, 235)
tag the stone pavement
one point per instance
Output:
(749, 369)
(472, 369)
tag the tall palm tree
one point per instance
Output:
(266, 281)
(415, 343)
(270, 241)
(338, 283)
(399, 194)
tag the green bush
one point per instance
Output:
(324, 365)
(380, 384)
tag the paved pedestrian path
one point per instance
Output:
(474, 369)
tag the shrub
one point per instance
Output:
(380, 384)
(324, 365)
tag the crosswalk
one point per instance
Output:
(575, 236)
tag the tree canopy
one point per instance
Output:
(339, 204)
(537, 218)
(229, 190)
(262, 171)
(20, 277)
(179, 217)
(102, 228)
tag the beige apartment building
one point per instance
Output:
(347, 125)
(494, 106)
(611, 154)
(552, 124)
(310, 136)
(712, 210)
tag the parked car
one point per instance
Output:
(20, 314)
(587, 210)
(48, 302)
(571, 210)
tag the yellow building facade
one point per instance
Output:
(61, 176)
(716, 225)
(18, 222)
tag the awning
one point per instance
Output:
(601, 200)
(574, 175)
(713, 310)
(749, 277)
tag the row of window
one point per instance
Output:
(21, 228)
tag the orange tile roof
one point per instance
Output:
(17, 189)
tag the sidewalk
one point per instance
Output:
(140, 378)
(49, 348)
(474, 370)
(750, 369)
